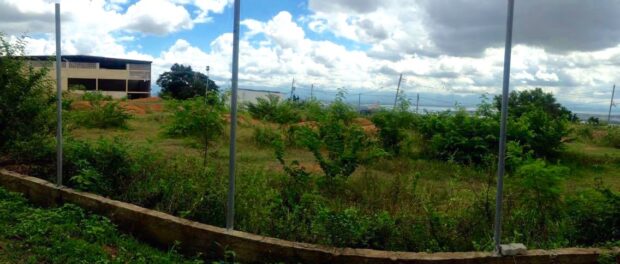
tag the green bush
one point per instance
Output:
(345, 143)
(595, 216)
(612, 138)
(197, 118)
(393, 127)
(26, 103)
(265, 136)
(459, 136)
(272, 109)
(104, 113)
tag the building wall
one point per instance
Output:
(250, 96)
(90, 71)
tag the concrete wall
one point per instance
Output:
(163, 229)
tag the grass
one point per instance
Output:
(68, 235)
(429, 200)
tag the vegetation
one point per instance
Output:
(26, 104)
(323, 174)
(103, 113)
(181, 82)
(68, 235)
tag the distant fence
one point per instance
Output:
(163, 230)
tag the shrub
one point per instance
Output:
(345, 143)
(265, 136)
(393, 126)
(595, 216)
(105, 166)
(103, 114)
(459, 136)
(26, 104)
(540, 210)
(273, 110)
(612, 138)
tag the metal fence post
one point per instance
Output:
(230, 208)
(502, 131)
(59, 101)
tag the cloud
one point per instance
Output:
(158, 17)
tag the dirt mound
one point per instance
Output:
(140, 106)
(81, 105)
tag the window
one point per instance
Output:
(81, 84)
(112, 85)
(139, 86)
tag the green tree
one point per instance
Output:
(181, 82)
(26, 103)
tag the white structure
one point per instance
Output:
(250, 95)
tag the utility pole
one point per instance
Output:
(230, 204)
(312, 92)
(417, 103)
(293, 88)
(611, 104)
(397, 90)
(359, 103)
(59, 97)
(502, 131)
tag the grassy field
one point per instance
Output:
(410, 189)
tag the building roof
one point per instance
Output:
(103, 61)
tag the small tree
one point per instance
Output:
(26, 103)
(181, 82)
(198, 118)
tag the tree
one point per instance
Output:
(26, 104)
(181, 82)
(521, 102)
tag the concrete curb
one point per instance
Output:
(163, 230)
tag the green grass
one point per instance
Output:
(68, 235)
(432, 205)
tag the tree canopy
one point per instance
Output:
(181, 82)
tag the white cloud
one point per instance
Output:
(157, 17)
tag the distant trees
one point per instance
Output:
(181, 82)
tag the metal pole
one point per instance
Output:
(230, 212)
(611, 104)
(397, 90)
(293, 88)
(312, 92)
(502, 131)
(59, 102)
(359, 103)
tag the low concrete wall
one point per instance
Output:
(163, 229)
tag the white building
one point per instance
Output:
(250, 95)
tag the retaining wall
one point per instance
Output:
(163, 230)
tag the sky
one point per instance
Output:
(447, 50)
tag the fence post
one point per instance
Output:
(230, 208)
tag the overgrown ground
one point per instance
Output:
(392, 203)
(68, 235)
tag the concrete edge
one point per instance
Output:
(163, 230)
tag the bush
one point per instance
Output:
(595, 216)
(459, 136)
(345, 143)
(540, 206)
(393, 126)
(273, 110)
(197, 118)
(265, 136)
(26, 103)
(104, 113)
(612, 138)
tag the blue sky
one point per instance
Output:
(447, 50)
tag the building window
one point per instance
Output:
(82, 84)
(139, 86)
(112, 85)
